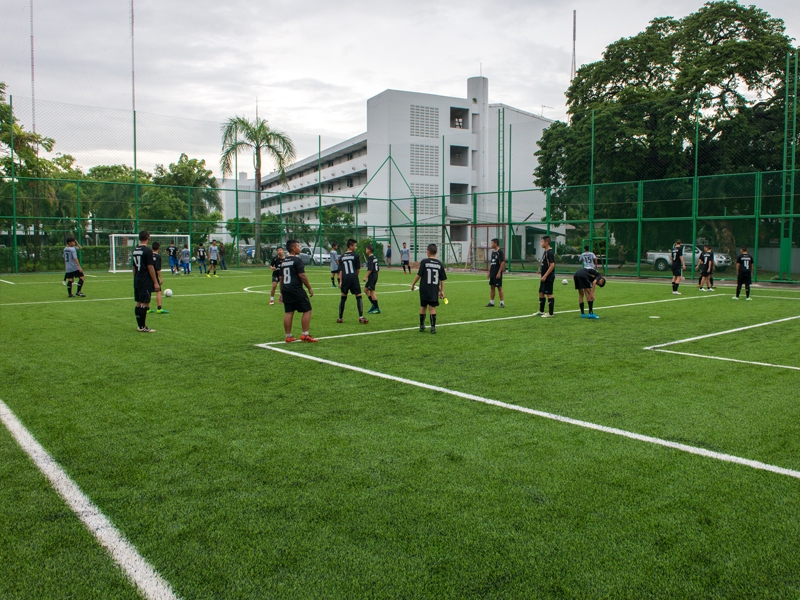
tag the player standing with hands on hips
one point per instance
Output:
(495, 274)
(293, 296)
(145, 280)
(548, 278)
(431, 288)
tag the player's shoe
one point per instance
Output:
(713, 289)
(502, 305)
(433, 329)
(80, 295)
(748, 298)
(339, 320)
(308, 338)
(161, 311)
(215, 275)
(490, 305)
(333, 285)
(676, 293)
(151, 311)
(422, 328)
(271, 302)
(291, 339)
(371, 311)
(547, 316)
(145, 330)
(735, 298)
(592, 316)
(362, 320)
(583, 315)
(63, 282)
(377, 311)
(207, 275)
(70, 295)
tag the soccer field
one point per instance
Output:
(651, 453)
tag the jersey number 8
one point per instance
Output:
(287, 275)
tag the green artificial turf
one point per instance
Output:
(240, 472)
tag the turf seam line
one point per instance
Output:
(736, 360)
(718, 333)
(84, 301)
(137, 569)
(492, 320)
(554, 417)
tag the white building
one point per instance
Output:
(230, 190)
(440, 154)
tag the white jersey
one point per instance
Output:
(588, 259)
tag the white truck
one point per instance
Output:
(662, 261)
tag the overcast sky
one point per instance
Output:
(311, 63)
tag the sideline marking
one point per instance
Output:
(138, 570)
(585, 424)
(528, 316)
(710, 335)
(747, 362)
(112, 299)
(8, 282)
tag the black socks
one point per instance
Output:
(342, 302)
(360, 304)
(141, 315)
(591, 306)
(422, 320)
(674, 287)
(69, 288)
(581, 305)
(551, 302)
(433, 320)
(541, 305)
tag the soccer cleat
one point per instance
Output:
(63, 282)
(215, 275)
(362, 320)
(547, 316)
(207, 275)
(70, 295)
(422, 328)
(592, 316)
(490, 305)
(676, 293)
(80, 295)
(735, 298)
(308, 338)
(271, 302)
(371, 311)
(161, 311)
(748, 298)
(502, 306)
(583, 315)
(713, 289)
(377, 311)
(145, 330)
(339, 320)
(433, 329)
(538, 313)
(333, 285)
(291, 339)
(151, 311)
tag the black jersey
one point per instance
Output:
(372, 264)
(276, 261)
(142, 258)
(677, 254)
(548, 258)
(201, 254)
(172, 251)
(431, 272)
(349, 264)
(291, 268)
(156, 262)
(498, 257)
(706, 261)
(745, 264)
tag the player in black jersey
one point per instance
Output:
(678, 265)
(431, 276)
(371, 280)
(585, 282)
(349, 266)
(172, 256)
(275, 265)
(706, 266)
(157, 269)
(201, 258)
(548, 277)
(496, 269)
(293, 296)
(145, 280)
(745, 268)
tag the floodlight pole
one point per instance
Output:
(13, 190)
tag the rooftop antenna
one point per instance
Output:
(574, 36)
(33, 80)
(541, 114)
(133, 70)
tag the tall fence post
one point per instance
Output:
(319, 199)
(13, 191)
(236, 193)
(591, 193)
(788, 250)
(509, 220)
(80, 229)
(759, 191)
(695, 181)
(136, 180)
(639, 216)
(444, 207)
(547, 214)
(189, 208)
(280, 218)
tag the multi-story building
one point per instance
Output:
(426, 170)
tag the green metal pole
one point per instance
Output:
(236, 193)
(13, 190)
(757, 214)
(695, 182)
(444, 207)
(136, 179)
(794, 172)
(591, 193)
(280, 215)
(415, 228)
(80, 229)
(547, 209)
(639, 215)
(510, 227)
(785, 163)
(189, 208)
(319, 198)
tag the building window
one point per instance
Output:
(458, 193)
(330, 163)
(459, 118)
(362, 207)
(459, 233)
(349, 182)
(424, 160)
(459, 156)
(424, 121)
(330, 187)
(350, 156)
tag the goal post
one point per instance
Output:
(123, 244)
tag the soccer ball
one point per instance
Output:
(168, 293)
(194, 258)
(564, 281)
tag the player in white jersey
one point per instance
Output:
(588, 259)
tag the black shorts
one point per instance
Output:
(276, 278)
(74, 274)
(372, 281)
(299, 303)
(351, 285)
(495, 281)
(677, 270)
(142, 294)
(213, 262)
(546, 286)
(428, 301)
(744, 279)
(582, 283)
(704, 273)
(404, 262)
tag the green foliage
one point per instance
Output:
(362, 249)
(337, 225)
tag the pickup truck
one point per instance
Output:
(662, 261)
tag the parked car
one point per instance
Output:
(662, 261)
(319, 256)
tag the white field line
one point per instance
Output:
(8, 282)
(775, 297)
(492, 320)
(585, 424)
(710, 335)
(84, 301)
(138, 570)
(746, 362)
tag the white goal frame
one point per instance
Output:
(122, 245)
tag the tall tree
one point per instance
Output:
(241, 135)
(191, 173)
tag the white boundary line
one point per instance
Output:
(585, 424)
(746, 362)
(138, 570)
(8, 282)
(710, 335)
(510, 318)
(73, 301)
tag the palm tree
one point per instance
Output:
(240, 134)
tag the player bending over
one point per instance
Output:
(213, 257)
(335, 265)
(495, 274)
(293, 278)
(585, 282)
(404, 252)
(744, 263)
(72, 268)
(678, 265)
(145, 280)
(371, 280)
(349, 266)
(548, 277)
(431, 288)
(157, 269)
(275, 265)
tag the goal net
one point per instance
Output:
(123, 245)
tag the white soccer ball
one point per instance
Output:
(194, 258)
(168, 293)
(564, 281)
